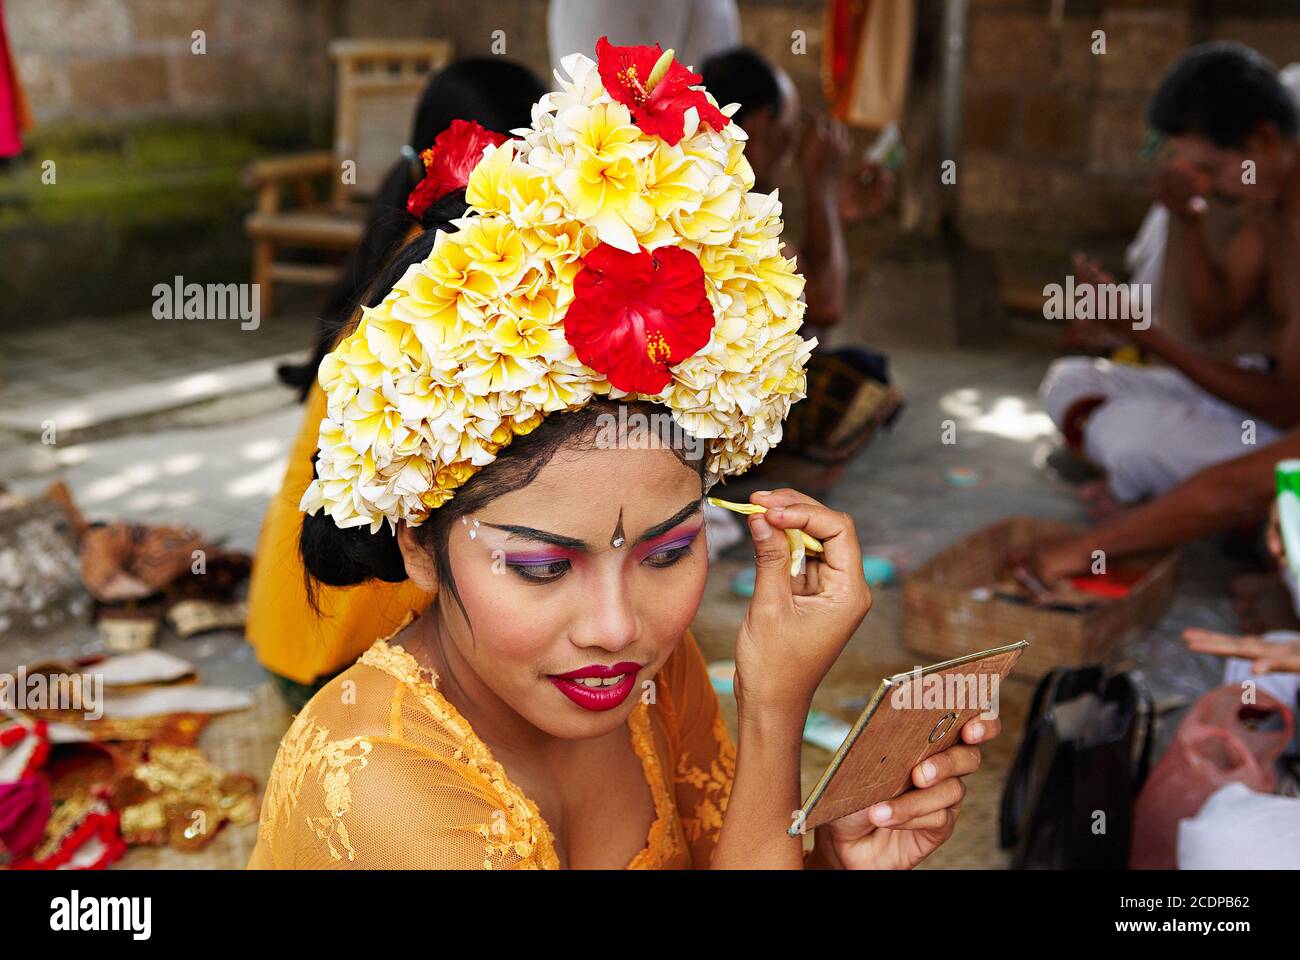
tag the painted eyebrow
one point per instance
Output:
(689, 510)
(572, 543)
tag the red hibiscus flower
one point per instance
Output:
(658, 103)
(634, 315)
(449, 162)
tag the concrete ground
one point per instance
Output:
(215, 463)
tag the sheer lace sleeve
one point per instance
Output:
(404, 792)
(705, 760)
(370, 806)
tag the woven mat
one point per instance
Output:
(241, 742)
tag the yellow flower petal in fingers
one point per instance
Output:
(737, 507)
(800, 542)
(797, 552)
(813, 545)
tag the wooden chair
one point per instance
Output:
(378, 83)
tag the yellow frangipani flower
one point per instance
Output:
(468, 349)
(523, 336)
(711, 221)
(505, 184)
(489, 182)
(567, 241)
(496, 250)
(453, 268)
(779, 283)
(485, 374)
(602, 184)
(370, 422)
(674, 181)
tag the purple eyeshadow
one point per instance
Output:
(675, 543)
(534, 561)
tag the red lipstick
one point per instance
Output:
(597, 697)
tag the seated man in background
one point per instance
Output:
(770, 114)
(1232, 133)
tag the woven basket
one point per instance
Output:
(842, 410)
(943, 619)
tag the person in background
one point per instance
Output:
(693, 29)
(1224, 497)
(496, 92)
(780, 135)
(302, 640)
(1233, 135)
(1166, 247)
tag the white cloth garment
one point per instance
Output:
(1239, 829)
(1155, 429)
(695, 29)
(1145, 256)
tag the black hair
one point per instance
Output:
(498, 94)
(334, 326)
(338, 557)
(345, 557)
(1221, 91)
(742, 75)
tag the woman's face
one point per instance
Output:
(579, 585)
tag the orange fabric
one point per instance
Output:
(867, 60)
(289, 637)
(379, 770)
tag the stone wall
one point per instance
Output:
(149, 138)
(1053, 133)
(88, 60)
(1052, 141)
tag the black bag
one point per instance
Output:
(1068, 799)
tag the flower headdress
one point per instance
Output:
(615, 249)
(449, 162)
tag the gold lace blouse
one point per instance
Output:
(379, 770)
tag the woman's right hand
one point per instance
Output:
(796, 627)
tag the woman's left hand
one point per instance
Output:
(901, 833)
